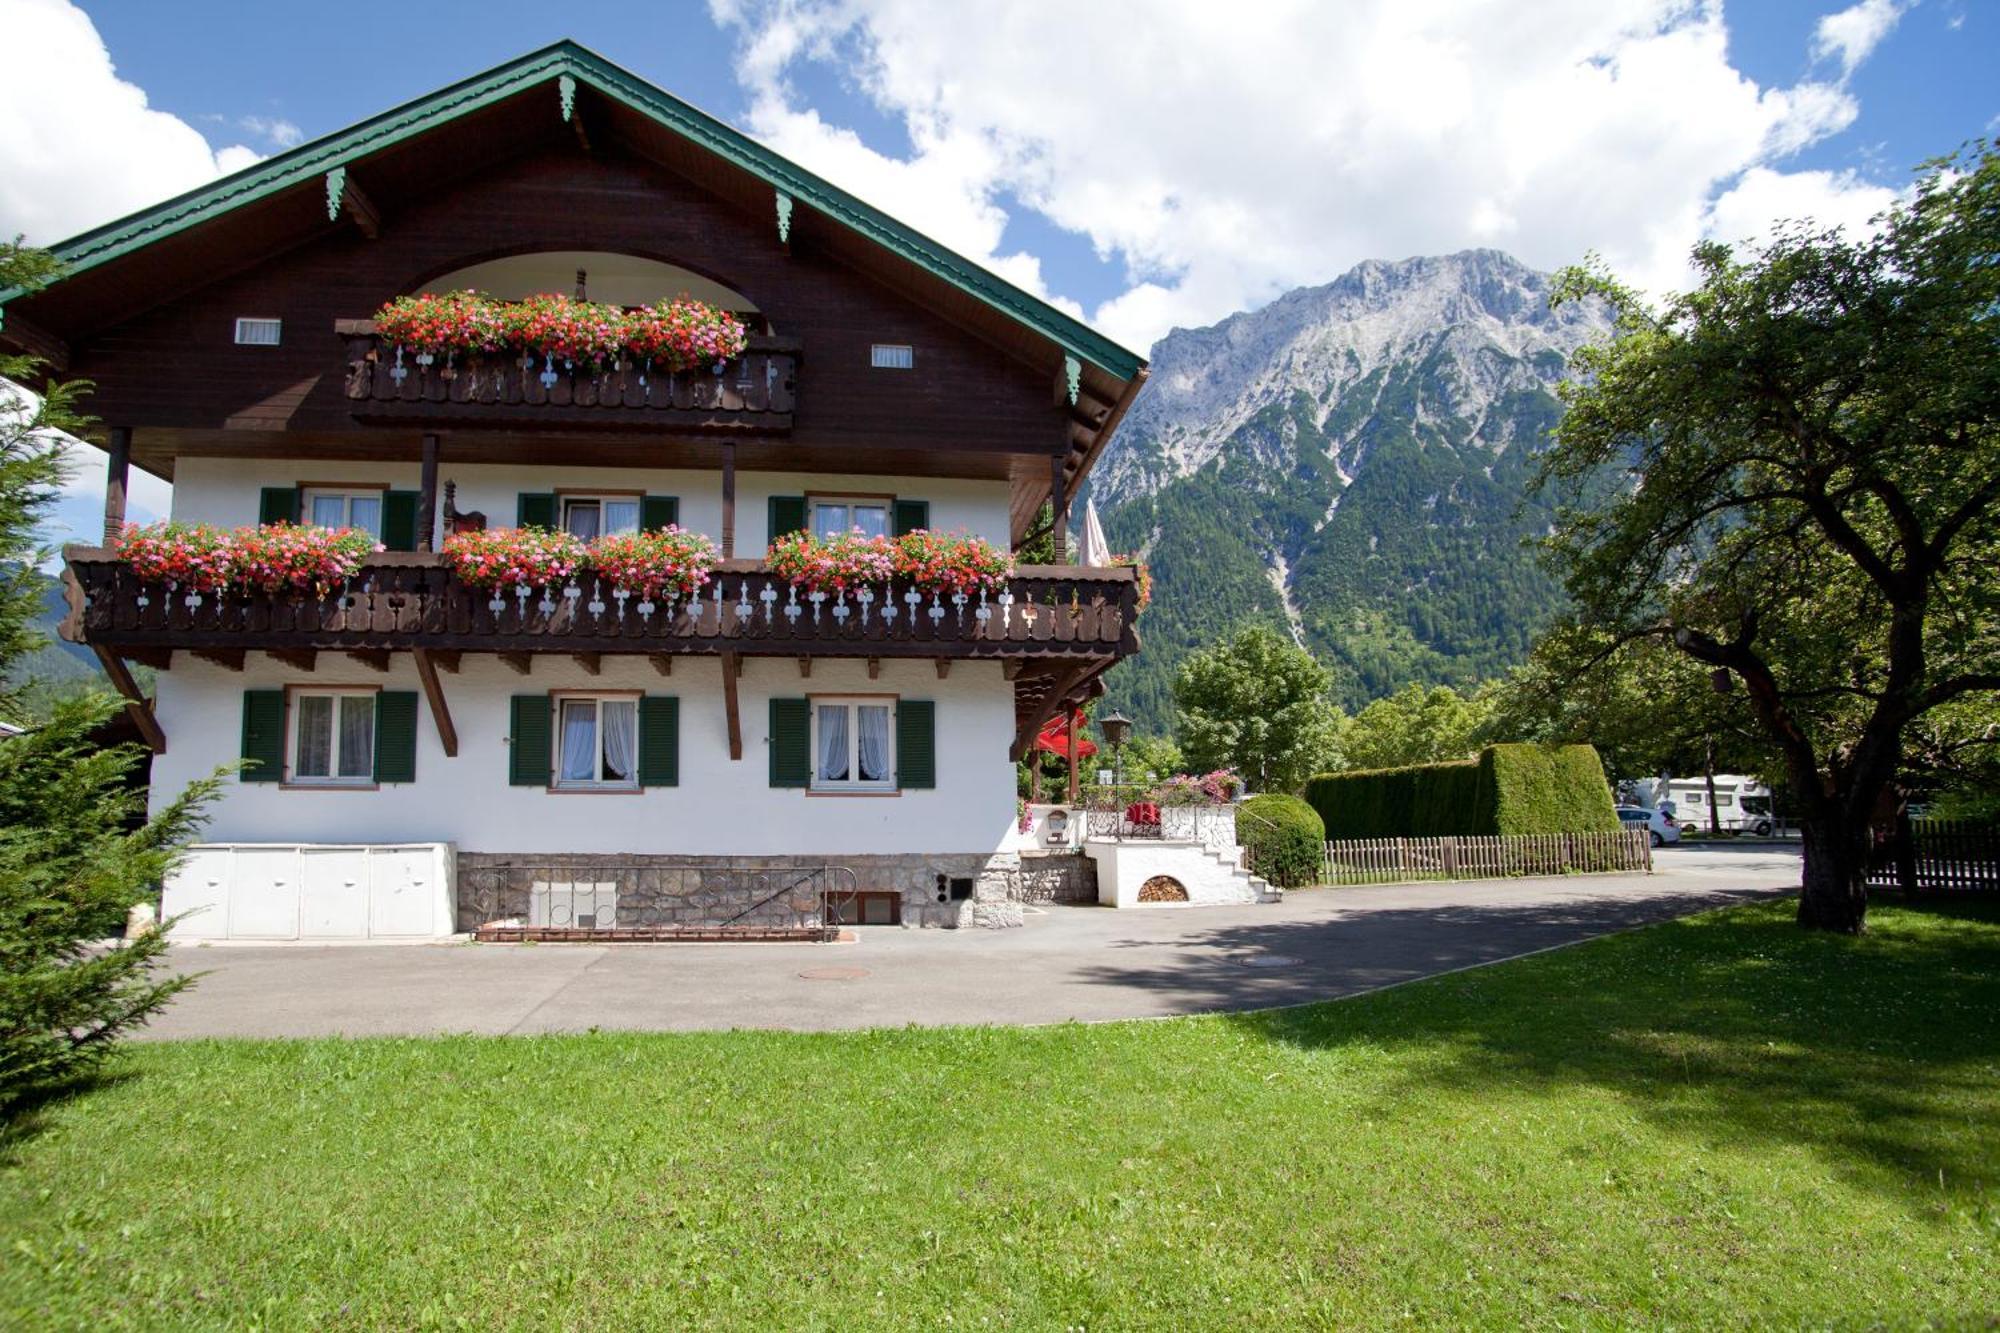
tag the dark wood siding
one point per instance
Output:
(178, 368)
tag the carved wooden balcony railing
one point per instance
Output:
(754, 392)
(401, 601)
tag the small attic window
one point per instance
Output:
(892, 356)
(258, 332)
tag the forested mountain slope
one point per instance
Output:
(1348, 463)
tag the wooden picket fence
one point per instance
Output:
(1389, 860)
(1937, 856)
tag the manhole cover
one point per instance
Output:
(1272, 960)
(833, 974)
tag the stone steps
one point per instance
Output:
(1262, 890)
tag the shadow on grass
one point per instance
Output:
(1879, 1054)
(25, 1117)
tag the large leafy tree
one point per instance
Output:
(1416, 725)
(1813, 441)
(70, 863)
(1259, 704)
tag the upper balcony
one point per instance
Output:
(407, 601)
(755, 392)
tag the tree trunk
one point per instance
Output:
(1708, 772)
(1834, 893)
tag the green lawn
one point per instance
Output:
(1715, 1122)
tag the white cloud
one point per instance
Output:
(277, 132)
(81, 146)
(1761, 197)
(1222, 158)
(1850, 34)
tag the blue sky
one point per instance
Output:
(1145, 164)
(218, 63)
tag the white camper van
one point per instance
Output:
(1742, 804)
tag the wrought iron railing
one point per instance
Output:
(413, 600)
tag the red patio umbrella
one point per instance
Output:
(1054, 738)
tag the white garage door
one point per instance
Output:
(293, 891)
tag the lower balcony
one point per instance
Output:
(1056, 628)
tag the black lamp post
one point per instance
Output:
(1117, 729)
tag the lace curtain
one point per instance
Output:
(874, 742)
(579, 741)
(620, 720)
(357, 736)
(833, 743)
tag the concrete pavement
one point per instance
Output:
(1084, 963)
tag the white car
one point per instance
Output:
(1664, 830)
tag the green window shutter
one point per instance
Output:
(263, 736)
(530, 731)
(791, 743)
(659, 741)
(399, 520)
(911, 515)
(535, 511)
(787, 515)
(278, 504)
(657, 513)
(396, 736)
(916, 743)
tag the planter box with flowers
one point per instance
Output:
(465, 349)
(197, 558)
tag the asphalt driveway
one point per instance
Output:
(1084, 963)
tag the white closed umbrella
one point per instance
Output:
(1093, 549)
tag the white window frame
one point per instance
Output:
(295, 723)
(347, 495)
(246, 324)
(854, 703)
(564, 500)
(561, 699)
(850, 503)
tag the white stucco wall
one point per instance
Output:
(720, 808)
(1124, 867)
(225, 492)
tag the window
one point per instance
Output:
(333, 737)
(597, 742)
(837, 515)
(854, 747)
(258, 332)
(892, 356)
(588, 516)
(344, 509)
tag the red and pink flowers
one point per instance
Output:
(934, 562)
(197, 556)
(514, 557)
(831, 564)
(284, 557)
(672, 560)
(674, 335)
(952, 563)
(279, 557)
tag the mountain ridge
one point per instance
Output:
(1349, 464)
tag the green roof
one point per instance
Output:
(309, 161)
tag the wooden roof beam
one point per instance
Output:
(434, 696)
(137, 706)
(34, 340)
(345, 195)
(732, 667)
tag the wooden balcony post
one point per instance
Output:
(117, 465)
(729, 502)
(1058, 505)
(427, 495)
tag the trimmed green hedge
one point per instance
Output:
(1508, 789)
(1285, 838)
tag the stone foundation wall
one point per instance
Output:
(705, 891)
(1058, 877)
